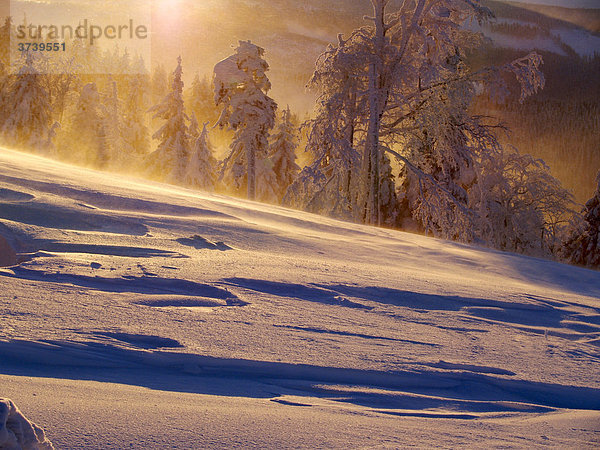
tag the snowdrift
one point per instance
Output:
(8, 257)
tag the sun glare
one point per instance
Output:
(168, 13)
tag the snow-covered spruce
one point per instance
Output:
(159, 84)
(82, 139)
(241, 87)
(168, 162)
(200, 171)
(282, 154)
(583, 245)
(29, 110)
(200, 100)
(111, 127)
(135, 133)
(18, 433)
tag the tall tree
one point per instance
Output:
(82, 140)
(135, 133)
(241, 87)
(159, 83)
(169, 160)
(200, 172)
(28, 120)
(7, 31)
(112, 124)
(379, 91)
(583, 245)
(282, 153)
(200, 100)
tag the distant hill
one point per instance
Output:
(559, 124)
(588, 18)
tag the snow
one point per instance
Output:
(150, 316)
(16, 432)
(583, 42)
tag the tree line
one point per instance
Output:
(393, 141)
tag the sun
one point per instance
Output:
(168, 13)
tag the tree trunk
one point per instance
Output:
(251, 159)
(372, 153)
(375, 112)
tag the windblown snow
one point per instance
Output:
(135, 314)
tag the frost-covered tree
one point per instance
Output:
(112, 125)
(169, 160)
(60, 82)
(5, 81)
(139, 69)
(375, 85)
(135, 133)
(521, 205)
(200, 100)
(241, 86)
(201, 169)
(329, 185)
(583, 244)
(194, 128)
(267, 186)
(442, 154)
(80, 142)
(7, 30)
(87, 56)
(103, 155)
(28, 120)
(159, 84)
(400, 86)
(388, 203)
(282, 153)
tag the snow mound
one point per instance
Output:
(16, 432)
(8, 257)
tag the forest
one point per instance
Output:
(418, 124)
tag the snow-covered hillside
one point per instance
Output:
(520, 26)
(148, 316)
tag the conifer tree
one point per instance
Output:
(6, 31)
(81, 140)
(241, 87)
(168, 162)
(200, 171)
(200, 100)
(135, 133)
(282, 154)
(159, 84)
(583, 245)
(112, 125)
(29, 114)
(193, 129)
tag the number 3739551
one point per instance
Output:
(42, 46)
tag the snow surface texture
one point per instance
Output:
(16, 432)
(148, 316)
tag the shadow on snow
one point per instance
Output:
(419, 390)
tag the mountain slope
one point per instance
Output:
(151, 315)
